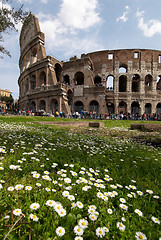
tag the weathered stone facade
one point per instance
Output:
(111, 81)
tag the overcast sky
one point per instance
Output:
(73, 27)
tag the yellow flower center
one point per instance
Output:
(34, 216)
(100, 231)
(78, 229)
(60, 230)
(140, 236)
(83, 223)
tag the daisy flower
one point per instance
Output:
(34, 217)
(78, 230)
(140, 235)
(123, 206)
(19, 187)
(62, 212)
(17, 212)
(28, 188)
(60, 231)
(109, 211)
(83, 223)
(78, 238)
(10, 189)
(100, 232)
(155, 220)
(93, 217)
(34, 206)
(79, 204)
(122, 200)
(50, 203)
(138, 212)
(120, 226)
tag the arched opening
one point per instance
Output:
(122, 108)
(110, 82)
(158, 109)
(123, 69)
(94, 106)
(66, 79)
(54, 106)
(135, 83)
(159, 82)
(34, 55)
(33, 82)
(42, 105)
(78, 106)
(135, 108)
(122, 83)
(58, 70)
(110, 108)
(27, 60)
(33, 107)
(70, 99)
(148, 108)
(79, 78)
(42, 78)
(97, 81)
(148, 82)
(26, 85)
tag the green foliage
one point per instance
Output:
(9, 17)
(103, 164)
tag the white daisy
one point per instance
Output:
(60, 231)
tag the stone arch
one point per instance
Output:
(27, 59)
(135, 108)
(70, 98)
(122, 108)
(79, 78)
(42, 105)
(158, 109)
(158, 82)
(34, 55)
(135, 83)
(53, 106)
(110, 108)
(97, 80)
(94, 106)
(123, 68)
(66, 79)
(42, 78)
(78, 106)
(148, 108)
(26, 85)
(33, 107)
(122, 83)
(110, 82)
(58, 70)
(148, 82)
(33, 82)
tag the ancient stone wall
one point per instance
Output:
(112, 81)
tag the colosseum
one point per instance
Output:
(125, 81)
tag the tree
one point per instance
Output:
(9, 17)
(8, 100)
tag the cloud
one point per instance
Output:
(150, 27)
(67, 32)
(44, 1)
(124, 18)
(79, 14)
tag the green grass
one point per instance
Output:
(121, 165)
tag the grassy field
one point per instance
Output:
(66, 183)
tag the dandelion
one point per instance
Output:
(34, 206)
(78, 230)
(100, 232)
(140, 235)
(120, 226)
(109, 211)
(155, 220)
(138, 212)
(60, 231)
(34, 217)
(17, 212)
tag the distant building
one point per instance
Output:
(3, 93)
(125, 81)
